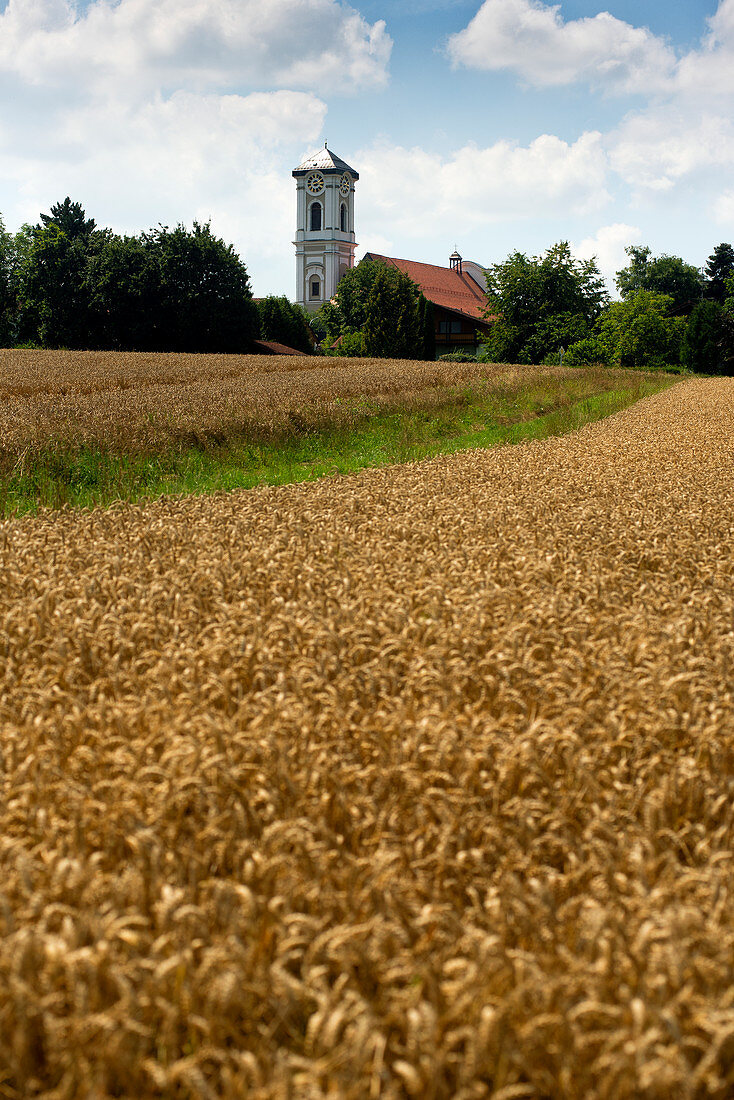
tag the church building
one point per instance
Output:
(325, 240)
(325, 245)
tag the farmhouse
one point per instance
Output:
(458, 296)
(325, 246)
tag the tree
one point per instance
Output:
(703, 341)
(52, 294)
(541, 303)
(719, 268)
(664, 274)
(124, 292)
(727, 328)
(639, 332)
(428, 328)
(327, 324)
(284, 322)
(70, 218)
(47, 277)
(205, 302)
(392, 327)
(354, 290)
(377, 311)
(6, 295)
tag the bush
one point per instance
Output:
(350, 345)
(585, 353)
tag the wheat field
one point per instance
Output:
(414, 783)
(132, 402)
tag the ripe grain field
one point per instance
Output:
(415, 783)
(137, 401)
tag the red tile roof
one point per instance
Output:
(271, 347)
(442, 285)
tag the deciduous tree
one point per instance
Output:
(541, 303)
(205, 301)
(703, 343)
(640, 332)
(669, 275)
(392, 327)
(377, 311)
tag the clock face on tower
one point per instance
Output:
(345, 184)
(314, 183)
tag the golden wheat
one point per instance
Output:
(416, 783)
(147, 401)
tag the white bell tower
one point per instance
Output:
(325, 240)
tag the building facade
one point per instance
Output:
(325, 242)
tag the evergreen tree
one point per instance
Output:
(70, 218)
(392, 327)
(428, 328)
(719, 268)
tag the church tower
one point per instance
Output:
(325, 240)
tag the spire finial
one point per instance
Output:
(326, 145)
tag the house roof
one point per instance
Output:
(442, 285)
(271, 347)
(325, 161)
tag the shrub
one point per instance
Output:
(457, 357)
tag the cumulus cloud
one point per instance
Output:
(658, 147)
(532, 39)
(686, 127)
(608, 246)
(409, 191)
(709, 71)
(207, 44)
(177, 109)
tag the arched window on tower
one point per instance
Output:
(315, 220)
(344, 218)
(314, 288)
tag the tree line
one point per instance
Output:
(669, 314)
(66, 283)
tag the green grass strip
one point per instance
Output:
(89, 475)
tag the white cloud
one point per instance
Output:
(412, 193)
(658, 147)
(140, 110)
(608, 246)
(531, 38)
(724, 208)
(140, 46)
(709, 71)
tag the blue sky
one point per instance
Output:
(489, 125)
